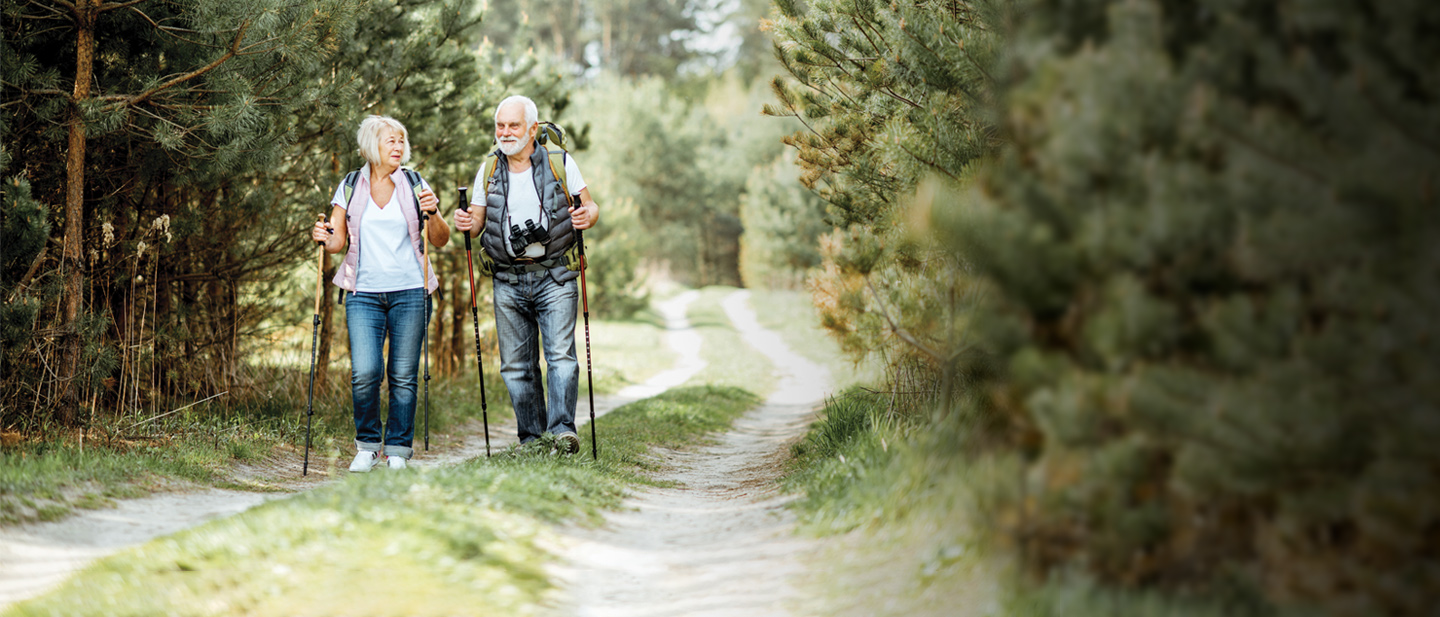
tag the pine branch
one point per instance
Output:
(111, 6)
(902, 332)
(168, 29)
(143, 96)
(69, 6)
(56, 13)
(1309, 174)
(34, 266)
(929, 163)
(1402, 129)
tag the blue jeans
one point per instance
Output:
(402, 316)
(535, 307)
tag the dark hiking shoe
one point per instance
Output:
(569, 443)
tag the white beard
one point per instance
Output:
(511, 148)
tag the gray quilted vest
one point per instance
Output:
(561, 234)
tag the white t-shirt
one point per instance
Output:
(387, 260)
(525, 202)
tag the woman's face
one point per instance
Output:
(392, 146)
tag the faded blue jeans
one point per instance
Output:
(531, 311)
(401, 316)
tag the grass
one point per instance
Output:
(879, 494)
(875, 494)
(624, 352)
(47, 478)
(460, 540)
(729, 361)
(792, 315)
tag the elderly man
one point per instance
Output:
(529, 226)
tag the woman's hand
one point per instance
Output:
(429, 203)
(321, 231)
(435, 227)
(330, 232)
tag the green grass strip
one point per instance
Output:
(729, 360)
(123, 458)
(460, 540)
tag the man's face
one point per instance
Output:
(511, 131)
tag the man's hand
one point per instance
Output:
(463, 221)
(584, 217)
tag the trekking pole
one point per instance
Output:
(589, 374)
(475, 319)
(425, 339)
(314, 345)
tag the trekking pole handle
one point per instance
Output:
(319, 218)
(320, 272)
(465, 205)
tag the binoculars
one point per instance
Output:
(521, 238)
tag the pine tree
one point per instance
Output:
(194, 193)
(1214, 245)
(783, 225)
(892, 95)
(197, 82)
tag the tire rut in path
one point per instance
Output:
(721, 543)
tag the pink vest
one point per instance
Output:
(349, 270)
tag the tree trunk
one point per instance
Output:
(459, 306)
(327, 318)
(71, 254)
(327, 308)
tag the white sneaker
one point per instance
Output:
(396, 462)
(364, 460)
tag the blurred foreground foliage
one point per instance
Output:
(1178, 302)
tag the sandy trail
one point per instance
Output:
(37, 557)
(721, 543)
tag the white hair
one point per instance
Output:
(369, 138)
(532, 115)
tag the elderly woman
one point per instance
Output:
(376, 214)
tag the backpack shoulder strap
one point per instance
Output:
(414, 178)
(489, 173)
(351, 179)
(560, 174)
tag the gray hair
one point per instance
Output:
(369, 138)
(532, 115)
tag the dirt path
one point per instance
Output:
(37, 557)
(720, 543)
